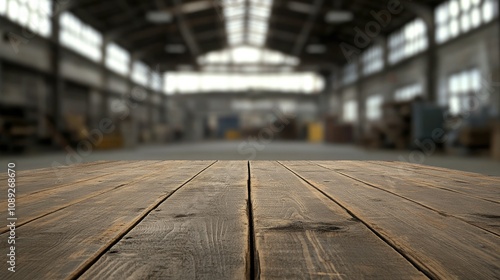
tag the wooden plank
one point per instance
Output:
(483, 214)
(301, 234)
(476, 185)
(43, 173)
(49, 201)
(438, 171)
(441, 246)
(200, 232)
(39, 180)
(60, 244)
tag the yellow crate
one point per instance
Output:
(232, 135)
(315, 132)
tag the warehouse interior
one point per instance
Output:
(88, 80)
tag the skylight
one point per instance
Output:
(247, 25)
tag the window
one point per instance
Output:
(350, 73)
(140, 73)
(456, 17)
(80, 37)
(34, 15)
(117, 59)
(409, 92)
(191, 82)
(247, 55)
(462, 88)
(374, 107)
(373, 60)
(156, 81)
(350, 111)
(408, 41)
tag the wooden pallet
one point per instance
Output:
(249, 220)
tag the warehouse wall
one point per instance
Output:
(27, 78)
(478, 48)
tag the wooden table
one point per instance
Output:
(267, 219)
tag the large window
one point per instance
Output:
(463, 88)
(194, 82)
(408, 41)
(80, 37)
(140, 73)
(117, 59)
(374, 107)
(34, 14)
(460, 16)
(350, 73)
(408, 92)
(246, 55)
(373, 60)
(350, 111)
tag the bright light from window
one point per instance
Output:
(456, 17)
(409, 92)
(256, 17)
(156, 81)
(463, 88)
(373, 60)
(80, 37)
(117, 59)
(34, 14)
(408, 41)
(191, 82)
(140, 73)
(350, 111)
(246, 55)
(374, 107)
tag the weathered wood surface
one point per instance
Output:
(47, 200)
(200, 232)
(306, 220)
(441, 246)
(61, 244)
(476, 185)
(301, 234)
(470, 209)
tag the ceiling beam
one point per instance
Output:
(185, 30)
(306, 30)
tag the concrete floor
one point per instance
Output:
(258, 151)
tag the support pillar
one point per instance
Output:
(57, 81)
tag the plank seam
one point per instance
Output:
(409, 199)
(3, 231)
(432, 186)
(391, 244)
(77, 182)
(92, 260)
(254, 269)
(494, 179)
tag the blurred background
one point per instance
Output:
(412, 81)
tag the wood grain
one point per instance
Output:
(200, 232)
(49, 201)
(483, 214)
(441, 246)
(301, 234)
(34, 181)
(59, 244)
(464, 182)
